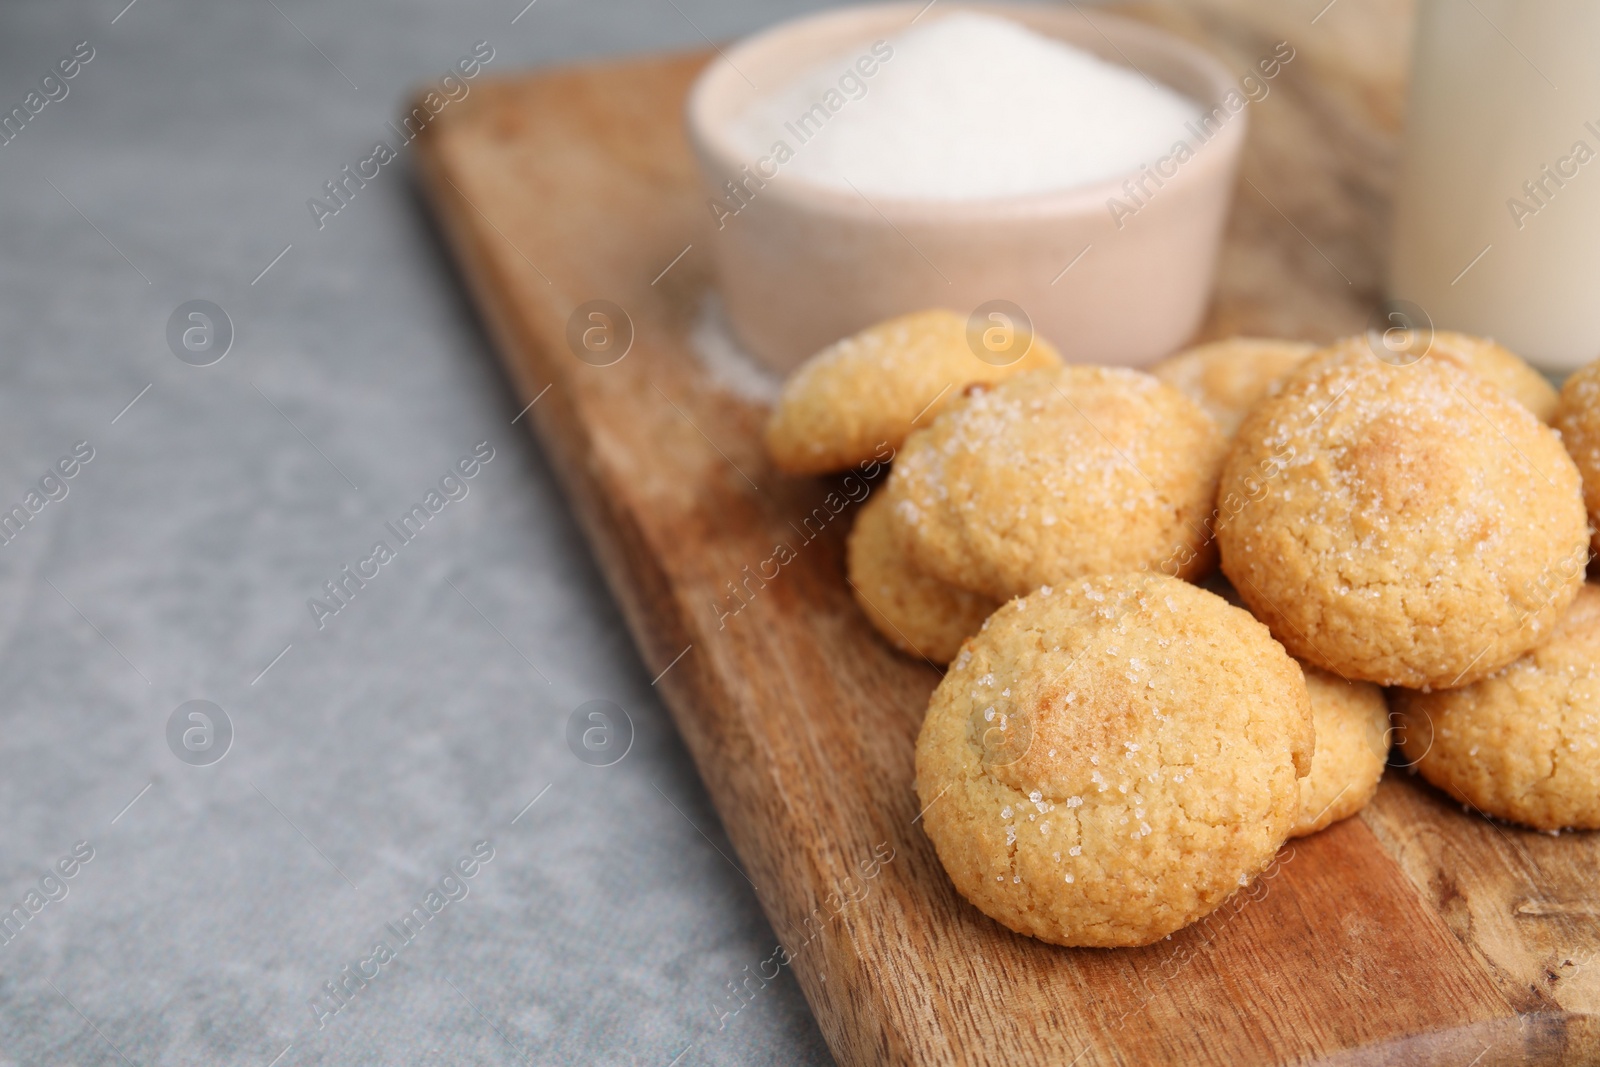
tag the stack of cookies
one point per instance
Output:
(1115, 749)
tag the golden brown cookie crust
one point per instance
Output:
(1228, 378)
(1059, 474)
(873, 388)
(1414, 525)
(1499, 365)
(1107, 761)
(1524, 744)
(1578, 419)
(918, 615)
(1352, 722)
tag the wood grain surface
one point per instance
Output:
(1415, 934)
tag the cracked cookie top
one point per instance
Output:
(1110, 759)
(1057, 475)
(1406, 525)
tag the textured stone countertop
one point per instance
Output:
(379, 751)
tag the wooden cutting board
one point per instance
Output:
(1412, 934)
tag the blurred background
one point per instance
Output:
(338, 773)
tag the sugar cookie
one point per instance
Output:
(1352, 721)
(1108, 760)
(1056, 475)
(1228, 378)
(1523, 744)
(1578, 419)
(918, 615)
(1405, 525)
(873, 388)
(1499, 365)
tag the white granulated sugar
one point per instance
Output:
(966, 107)
(729, 367)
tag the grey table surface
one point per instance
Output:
(371, 754)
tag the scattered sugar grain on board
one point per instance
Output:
(970, 106)
(726, 363)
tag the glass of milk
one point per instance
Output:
(1497, 227)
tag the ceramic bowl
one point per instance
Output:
(801, 265)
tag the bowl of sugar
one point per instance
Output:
(1000, 160)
